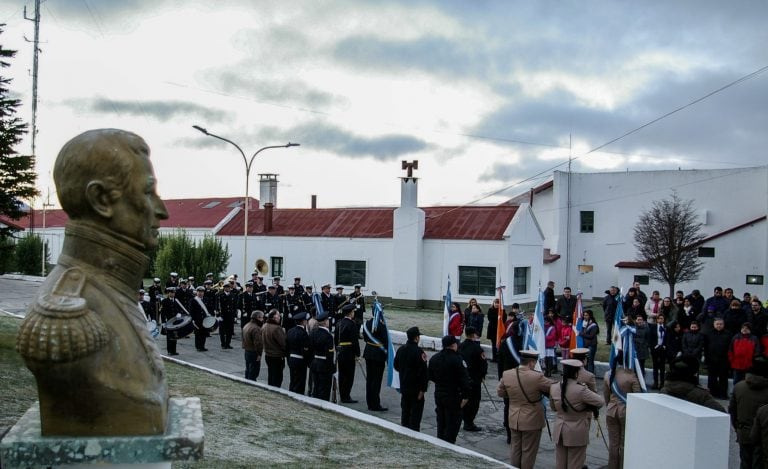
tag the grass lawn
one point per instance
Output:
(246, 426)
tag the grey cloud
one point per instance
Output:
(334, 139)
(289, 92)
(162, 110)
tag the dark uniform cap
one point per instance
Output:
(348, 307)
(339, 288)
(208, 282)
(271, 287)
(276, 278)
(296, 278)
(322, 315)
(249, 284)
(412, 333)
(448, 341)
(226, 285)
(308, 287)
(292, 287)
(358, 285)
(300, 316)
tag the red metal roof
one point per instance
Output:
(14, 224)
(476, 223)
(182, 213)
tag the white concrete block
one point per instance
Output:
(665, 432)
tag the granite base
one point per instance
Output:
(24, 446)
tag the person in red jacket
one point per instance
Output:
(455, 321)
(564, 339)
(550, 342)
(744, 348)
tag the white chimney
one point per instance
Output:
(268, 189)
(409, 187)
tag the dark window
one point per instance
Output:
(642, 279)
(479, 281)
(706, 252)
(277, 266)
(350, 272)
(521, 281)
(754, 279)
(587, 221)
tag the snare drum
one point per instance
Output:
(154, 331)
(210, 323)
(178, 328)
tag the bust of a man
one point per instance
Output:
(85, 339)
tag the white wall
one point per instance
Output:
(730, 197)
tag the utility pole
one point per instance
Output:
(35, 19)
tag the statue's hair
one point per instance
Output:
(105, 155)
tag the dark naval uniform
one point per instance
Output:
(299, 357)
(246, 302)
(375, 355)
(323, 363)
(326, 300)
(357, 298)
(348, 351)
(411, 364)
(477, 367)
(197, 309)
(294, 305)
(449, 373)
(227, 311)
(169, 308)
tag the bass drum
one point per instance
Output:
(178, 328)
(210, 324)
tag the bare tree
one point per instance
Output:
(667, 236)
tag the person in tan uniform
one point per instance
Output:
(574, 403)
(618, 382)
(524, 387)
(585, 376)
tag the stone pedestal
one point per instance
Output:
(665, 432)
(24, 446)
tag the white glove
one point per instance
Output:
(178, 315)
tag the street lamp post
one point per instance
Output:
(246, 202)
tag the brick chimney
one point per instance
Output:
(268, 217)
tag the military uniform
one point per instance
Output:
(294, 305)
(245, 303)
(348, 345)
(571, 434)
(323, 363)
(477, 367)
(411, 364)
(299, 356)
(155, 293)
(357, 298)
(375, 355)
(227, 310)
(524, 388)
(198, 311)
(616, 412)
(169, 309)
(449, 373)
(326, 300)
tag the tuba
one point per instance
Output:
(262, 266)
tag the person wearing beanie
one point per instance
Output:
(411, 364)
(748, 396)
(447, 370)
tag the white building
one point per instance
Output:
(588, 221)
(405, 253)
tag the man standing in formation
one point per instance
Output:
(375, 354)
(525, 388)
(357, 299)
(253, 345)
(170, 309)
(348, 352)
(324, 360)
(299, 353)
(411, 364)
(199, 312)
(226, 310)
(477, 367)
(447, 370)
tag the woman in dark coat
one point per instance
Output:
(493, 317)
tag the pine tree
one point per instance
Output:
(17, 172)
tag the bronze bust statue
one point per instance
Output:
(97, 368)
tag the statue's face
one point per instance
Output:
(137, 213)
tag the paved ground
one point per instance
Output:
(15, 296)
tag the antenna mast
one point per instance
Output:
(35, 19)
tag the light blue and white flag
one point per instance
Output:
(447, 308)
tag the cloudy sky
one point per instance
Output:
(486, 95)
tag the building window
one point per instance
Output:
(706, 252)
(587, 221)
(277, 266)
(350, 272)
(521, 281)
(642, 279)
(754, 279)
(479, 281)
